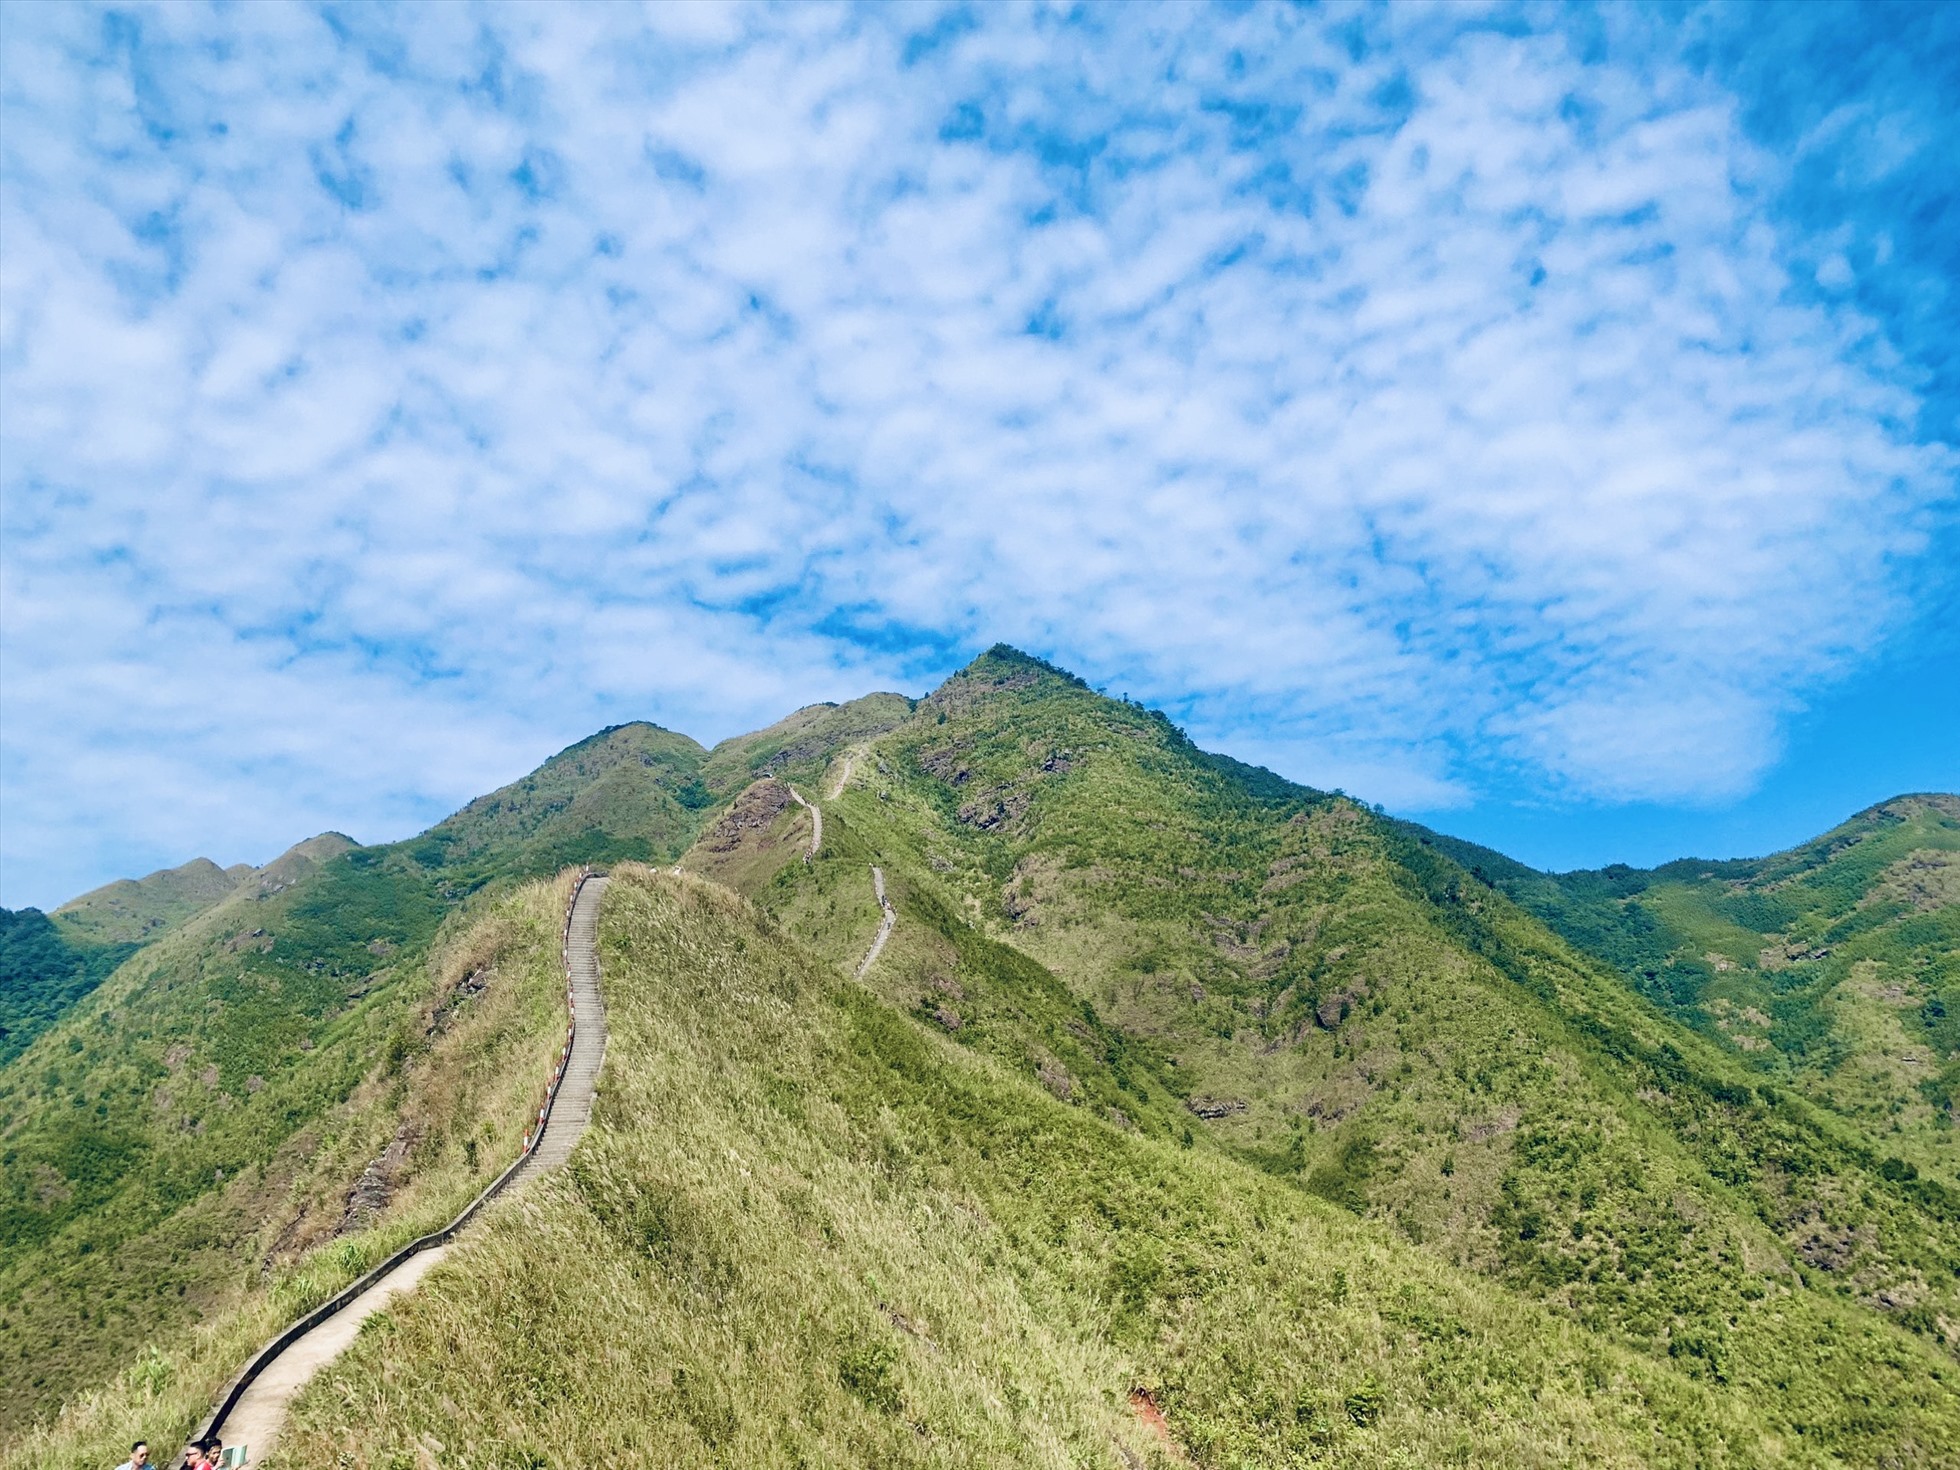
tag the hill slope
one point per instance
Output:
(179, 1132)
(42, 973)
(151, 1134)
(1833, 967)
(1347, 1008)
(132, 910)
(245, 1207)
(1338, 1059)
(48, 964)
(805, 1230)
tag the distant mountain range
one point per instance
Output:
(1690, 1131)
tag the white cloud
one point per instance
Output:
(383, 412)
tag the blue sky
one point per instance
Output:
(1539, 420)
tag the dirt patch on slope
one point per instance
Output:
(760, 832)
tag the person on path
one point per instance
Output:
(139, 1457)
(193, 1455)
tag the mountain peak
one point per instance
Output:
(1003, 661)
(133, 910)
(636, 735)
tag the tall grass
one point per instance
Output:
(459, 1078)
(805, 1231)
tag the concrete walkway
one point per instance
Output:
(843, 776)
(255, 1421)
(889, 918)
(816, 821)
(260, 1413)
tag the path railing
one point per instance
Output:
(534, 1131)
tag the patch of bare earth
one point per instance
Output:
(1150, 1415)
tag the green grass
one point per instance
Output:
(234, 1071)
(1373, 1023)
(147, 1138)
(1831, 969)
(1722, 1181)
(137, 910)
(42, 973)
(806, 1229)
(157, 1306)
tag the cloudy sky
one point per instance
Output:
(1538, 420)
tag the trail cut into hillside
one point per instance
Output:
(804, 1228)
(816, 819)
(253, 1413)
(843, 775)
(887, 917)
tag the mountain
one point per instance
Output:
(223, 1135)
(42, 973)
(166, 1146)
(1833, 967)
(47, 964)
(1173, 1076)
(635, 792)
(174, 1139)
(135, 910)
(1338, 1002)
(631, 791)
(804, 1229)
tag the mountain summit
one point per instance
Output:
(1009, 1010)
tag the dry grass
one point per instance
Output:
(804, 1232)
(462, 1094)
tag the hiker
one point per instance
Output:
(139, 1456)
(214, 1451)
(193, 1455)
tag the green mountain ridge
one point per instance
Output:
(1833, 966)
(161, 1147)
(133, 910)
(806, 1230)
(49, 962)
(1303, 1000)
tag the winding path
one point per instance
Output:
(816, 820)
(843, 776)
(889, 918)
(255, 1411)
(888, 915)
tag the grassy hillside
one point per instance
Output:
(254, 1204)
(150, 1135)
(634, 793)
(134, 910)
(1348, 1009)
(1295, 1116)
(629, 792)
(153, 1139)
(806, 1229)
(1833, 968)
(801, 746)
(48, 964)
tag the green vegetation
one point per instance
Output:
(1342, 1005)
(169, 1112)
(631, 792)
(149, 1136)
(1833, 969)
(799, 747)
(46, 965)
(803, 1230)
(408, 1102)
(1343, 1140)
(136, 910)
(42, 973)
